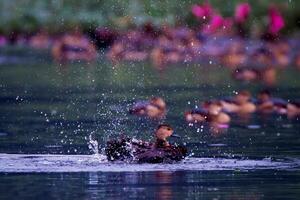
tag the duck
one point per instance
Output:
(281, 51)
(73, 47)
(216, 114)
(293, 109)
(240, 104)
(264, 102)
(266, 75)
(280, 106)
(41, 40)
(235, 56)
(197, 115)
(154, 108)
(160, 151)
(246, 74)
(211, 111)
(262, 56)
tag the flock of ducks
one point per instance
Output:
(215, 112)
(219, 110)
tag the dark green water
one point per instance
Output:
(50, 109)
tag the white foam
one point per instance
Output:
(92, 163)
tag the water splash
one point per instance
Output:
(93, 145)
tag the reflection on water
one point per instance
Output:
(152, 185)
(46, 108)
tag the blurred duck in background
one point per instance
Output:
(264, 102)
(293, 109)
(266, 75)
(74, 47)
(41, 40)
(210, 111)
(240, 103)
(155, 108)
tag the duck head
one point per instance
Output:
(163, 132)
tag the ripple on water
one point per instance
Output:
(253, 126)
(2, 134)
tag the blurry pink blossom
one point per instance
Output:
(242, 12)
(202, 11)
(215, 23)
(276, 21)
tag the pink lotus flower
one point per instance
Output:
(242, 12)
(276, 21)
(202, 11)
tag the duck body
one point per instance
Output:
(143, 152)
(265, 106)
(293, 109)
(155, 108)
(271, 105)
(200, 115)
(241, 103)
(139, 108)
(73, 47)
(196, 115)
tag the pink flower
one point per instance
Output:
(215, 23)
(276, 21)
(202, 11)
(242, 12)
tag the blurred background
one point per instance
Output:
(29, 16)
(223, 74)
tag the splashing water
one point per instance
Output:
(90, 163)
(93, 145)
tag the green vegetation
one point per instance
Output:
(58, 15)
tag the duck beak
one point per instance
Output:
(175, 136)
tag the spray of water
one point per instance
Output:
(93, 145)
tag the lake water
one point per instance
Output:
(46, 108)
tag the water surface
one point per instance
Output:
(46, 108)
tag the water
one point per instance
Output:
(48, 109)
